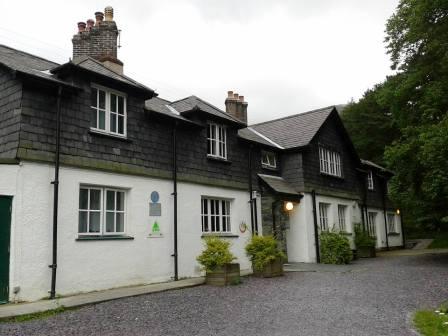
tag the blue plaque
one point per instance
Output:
(155, 197)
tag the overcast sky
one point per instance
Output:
(284, 56)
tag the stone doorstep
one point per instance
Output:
(10, 310)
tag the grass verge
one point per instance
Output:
(430, 323)
(35, 316)
(440, 241)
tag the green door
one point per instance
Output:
(5, 232)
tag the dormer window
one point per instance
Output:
(217, 141)
(370, 185)
(268, 160)
(330, 162)
(108, 111)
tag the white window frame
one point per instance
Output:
(342, 217)
(324, 211)
(108, 112)
(103, 211)
(219, 218)
(391, 225)
(217, 141)
(370, 184)
(330, 162)
(371, 223)
(269, 159)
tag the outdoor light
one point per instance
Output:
(289, 206)
(398, 211)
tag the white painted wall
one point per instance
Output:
(94, 265)
(301, 237)
(394, 241)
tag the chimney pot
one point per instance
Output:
(109, 13)
(81, 27)
(235, 95)
(229, 94)
(99, 18)
(241, 98)
(90, 24)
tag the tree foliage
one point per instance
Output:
(414, 101)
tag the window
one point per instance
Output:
(268, 159)
(391, 223)
(342, 211)
(101, 211)
(323, 216)
(371, 223)
(108, 111)
(370, 180)
(215, 215)
(216, 141)
(330, 162)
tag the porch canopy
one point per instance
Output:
(281, 188)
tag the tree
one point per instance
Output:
(414, 102)
(370, 125)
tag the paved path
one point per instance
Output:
(377, 299)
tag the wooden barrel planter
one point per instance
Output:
(225, 275)
(366, 252)
(273, 269)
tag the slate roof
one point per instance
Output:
(192, 102)
(162, 106)
(29, 64)
(296, 130)
(90, 64)
(279, 185)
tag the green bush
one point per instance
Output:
(261, 250)
(334, 248)
(217, 253)
(362, 238)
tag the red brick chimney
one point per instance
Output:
(236, 106)
(99, 40)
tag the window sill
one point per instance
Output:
(269, 168)
(214, 158)
(88, 238)
(221, 235)
(334, 176)
(393, 234)
(108, 135)
(344, 233)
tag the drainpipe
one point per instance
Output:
(55, 183)
(316, 230)
(402, 229)
(251, 201)
(383, 196)
(175, 254)
(255, 215)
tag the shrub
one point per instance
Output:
(261, 250)
(216, 253)
(362, 238)
(334, 248)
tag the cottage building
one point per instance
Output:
(104, 184)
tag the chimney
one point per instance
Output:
(99, 40)
(236, 106)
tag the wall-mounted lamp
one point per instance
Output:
(289, 206)
(398, 211)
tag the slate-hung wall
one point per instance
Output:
(147, 150)
(347, 186)
(10, 95)
(374, 198)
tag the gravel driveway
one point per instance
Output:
(376, 297)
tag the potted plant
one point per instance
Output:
(365, 244)
(216, 260)
(267, 259)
